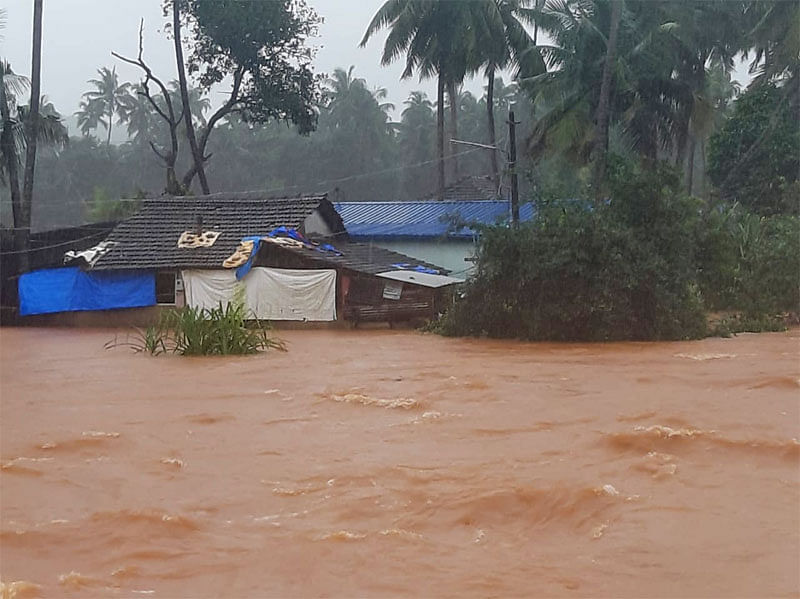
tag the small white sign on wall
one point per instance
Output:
(392, 290)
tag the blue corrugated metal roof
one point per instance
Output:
(425, 218)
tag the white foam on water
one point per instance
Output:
(99, 435)
(704, 357)
(404, 403)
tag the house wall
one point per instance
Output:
(449, 253)
(126, 317)
(316, 225)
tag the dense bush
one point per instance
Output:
(749, 263)
(202, 332)
(754, 159)
(621, 269)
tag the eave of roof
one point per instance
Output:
(364, 258)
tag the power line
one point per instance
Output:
(296, 186)
(48, 247)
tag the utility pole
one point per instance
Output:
(512, 166)
(31, 137)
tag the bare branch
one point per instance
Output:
(226, 108)
(158, 153)
(167, 115)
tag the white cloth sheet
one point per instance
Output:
(270, 293)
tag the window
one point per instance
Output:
(165, 287)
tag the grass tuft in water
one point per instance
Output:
(223, 330)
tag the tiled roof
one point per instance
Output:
(428, 218)
(362, 257)
(149, 238)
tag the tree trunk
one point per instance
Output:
(492, 132)
(10, 154)
(602, 116)
(187, 113)
(703, 176)
(440, 134)
(453, 94)
(690, 164)
(31, 134)
(110, 121)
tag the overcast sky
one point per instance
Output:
(79, 35)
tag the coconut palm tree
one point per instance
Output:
(136, 111)
(438, 40)
(417, 142)
(775, 40)
(51, 131)
(352, 102)
(358, 118)
(89, 115)
(504, 41)
(652, 84)
(102, 104)
(12, 130)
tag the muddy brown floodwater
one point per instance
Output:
(391, 463)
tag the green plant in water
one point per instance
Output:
(191, 331)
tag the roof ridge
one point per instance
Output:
(431, 201)
(231, 198)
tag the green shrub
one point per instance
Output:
(750, 264)
(622, 269)
(202, 332)
(754, 159)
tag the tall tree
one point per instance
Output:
(754, 159)
(502, 42)
(197, 155)
(651, 87)
(31, 135)
(138, 114)
(12, 85)
(89, 115)
(103, 104)
(417, 143)
(437, 39)
(603, 115)
(775, 40)
(262, 47)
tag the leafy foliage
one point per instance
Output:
(103, 208)
(755, 158)
(203, 332)
(750, 263)
(617, 270)
(262, 44)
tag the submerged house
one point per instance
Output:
(289, 258)
(442, 232)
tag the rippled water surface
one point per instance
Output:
(383, 463)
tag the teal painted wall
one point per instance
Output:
(449, 254)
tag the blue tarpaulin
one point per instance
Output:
(71, 289)
(281, 232)
(245, 268)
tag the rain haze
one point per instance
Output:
(79, 36)
(317, 334)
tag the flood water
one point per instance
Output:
(391, 463)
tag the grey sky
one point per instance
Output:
(79, 35)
